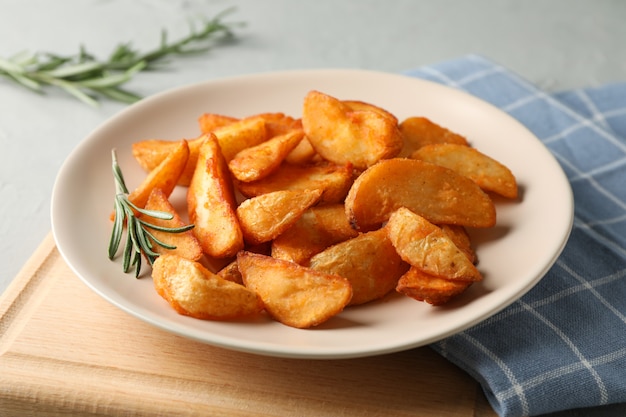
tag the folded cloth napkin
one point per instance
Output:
(563, 344)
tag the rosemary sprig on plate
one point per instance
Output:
(139, 240)
(89, 79)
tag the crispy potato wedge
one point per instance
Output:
(318, 228)
(192, 161)
(230, 272)
(459, 236)
(279, 123)
(208, 122)
(357, 105)
(333, 180)
(193, 290)
(427, 247)
(434, 290)
(264, 217)
(257, 162)
(419, 131)
(489, 174)
(186, 243)
(292, 294)
(343, 136)
(150, 153)
(165, 176)
(211, 203)
(239, 135)
(303, 153)
(434, 192)
(369, 261)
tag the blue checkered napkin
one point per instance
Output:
(562, 345)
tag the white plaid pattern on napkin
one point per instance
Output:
(563, 344)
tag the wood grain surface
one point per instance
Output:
(65, 351)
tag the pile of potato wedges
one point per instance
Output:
(313, 213)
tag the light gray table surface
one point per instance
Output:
(556, 44)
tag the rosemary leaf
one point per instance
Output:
(11, 67)
(118, 94)
(72, 70)
(26, 82)
(160, 242)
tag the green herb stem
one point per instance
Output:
(139, 240)
(89, 79)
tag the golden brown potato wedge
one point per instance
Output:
(427, 247)
(279, 123)
(193, 290)
(462, 240)
(419, 131)
(264, 217)
(357, 105)
(257, 162)
(165, 176)
(333, 180)
(150, 153)
(434, 192)
(208, 122)
(187, 246)
(292, 294)
(303, 153)
(434, 290)
(318, 228)
(369, 261)
(239, 135)
(489, 174)
(211, 203)
(343, 136)
(230, 272)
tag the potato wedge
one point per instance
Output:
(292, 294)
(264, 217)
(343, 136)
(194, 291)
(369, 261)
(208, 122)
(186, 243)
(303, 153)
(489, 174)
(427, 247)
(434, 192)
(257, 162)
(419, 131)
(333, 180)
(318, 228)
(357, 105)
(279, 123)
(239, 135)
(211, 203)
(165, 176)
(434, 290)
(230, 272)
(150, 153)
(459, 236)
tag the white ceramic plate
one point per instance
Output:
(514, 255)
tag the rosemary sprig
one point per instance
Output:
(139, 240)
(89, 79)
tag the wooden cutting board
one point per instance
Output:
(65, 351)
